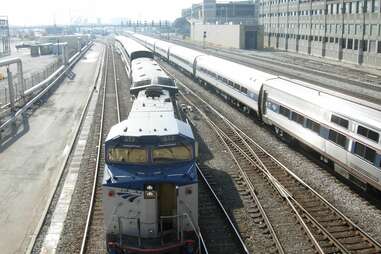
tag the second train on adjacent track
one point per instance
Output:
(345, 133)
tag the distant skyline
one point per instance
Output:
(50, 12)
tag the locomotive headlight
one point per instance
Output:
(149, 191)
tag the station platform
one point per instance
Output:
(30, 165)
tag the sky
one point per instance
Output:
(49, 12)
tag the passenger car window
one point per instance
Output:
(365, 152)
(363, 131)
(338, 138)
(297, 118)
(284, 111)
(315, 127)
(340, 121)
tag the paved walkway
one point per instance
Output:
(30, 166)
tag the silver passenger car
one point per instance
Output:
(344, 132)
(235, 80)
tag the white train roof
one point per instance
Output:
(146, 68)
(238, 73)
(131, 46)
(185, 53)
(345, 108)
(151, 117)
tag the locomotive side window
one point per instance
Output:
(172, 154)
(315, 127)
(128, 155)
(284, 111)
(365, 152)
(340, 121)
(368, 133)
(338, 138)
(297, 118)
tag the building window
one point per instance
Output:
(340, 121)
(363, 131)
(344, 43)
(365, 152)
(350, 44)
(379, 47)
(365, 45)
(331, 40)
(315, 127)
(356, 44)
(337, 138)
(284, 111)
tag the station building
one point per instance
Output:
(227, 24)
(345, 30)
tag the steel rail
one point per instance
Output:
(116, 86)
(67, 158)
(220, 133)
(290, 199)
(98, 160)
(231, 224)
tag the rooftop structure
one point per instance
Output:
(342, 30)
(211, 12)
(5, 47)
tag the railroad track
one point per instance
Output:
(93, 240)
(327, 228)
(218, 231)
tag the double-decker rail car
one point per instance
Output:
(343, 132)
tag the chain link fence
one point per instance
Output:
(32, 80)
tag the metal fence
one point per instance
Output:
(30, 81)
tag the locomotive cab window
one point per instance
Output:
(127, 155)
(337, 138)
(363, 131)
(172, 153)
(340, 121)
(365, 152)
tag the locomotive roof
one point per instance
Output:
(151, 117)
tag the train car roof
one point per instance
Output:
(345, 108)
(186, 53)
(151, 117)
(146, 68)
(235, 72)
(132, 47)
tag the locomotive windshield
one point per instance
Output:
(170, 154)
(128, 155)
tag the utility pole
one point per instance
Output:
(203, 40)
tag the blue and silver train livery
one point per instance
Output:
(150, 191)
